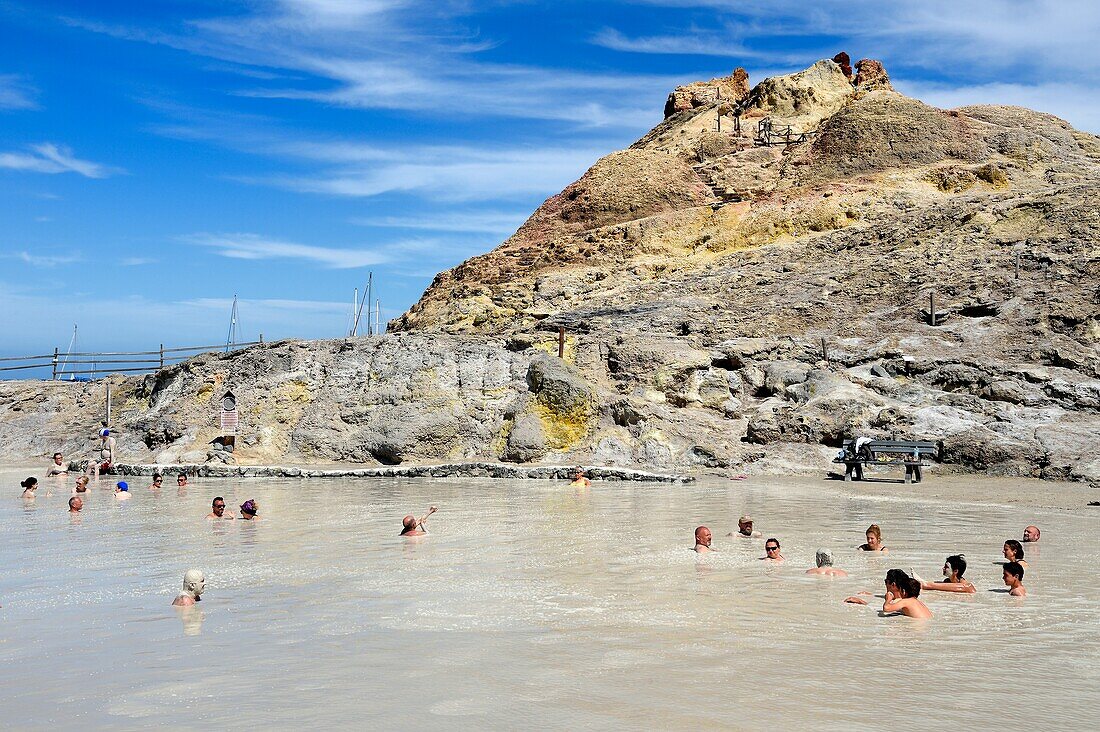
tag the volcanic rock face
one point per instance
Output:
(894, 270)
(727, 299)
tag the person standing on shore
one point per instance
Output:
(1014, 579)
(106, 454)
(702, 540)
(57, 467)
(874, 540)
(412, 526)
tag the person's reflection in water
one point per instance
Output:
(192, 619)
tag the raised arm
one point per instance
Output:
(420, 522)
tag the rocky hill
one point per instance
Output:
(749, 283)
(730, 296)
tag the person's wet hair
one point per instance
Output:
(1015, 569)
(57, 455)
(912, 589)
(897, 577)
(824, 558)
(1016, 547)
(30, 482)
(71, 500)
(215, 501)
(875, 531)
(957, 562)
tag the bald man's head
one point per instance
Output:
(702, 536)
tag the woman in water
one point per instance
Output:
(874, 540)
(30, 487)
(953, 569)
(249, 509)
(902, 596)
(81, 485)
(1014, 552)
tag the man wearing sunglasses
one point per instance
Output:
(771, 551)
(218, 510)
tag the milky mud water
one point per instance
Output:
(532, 604)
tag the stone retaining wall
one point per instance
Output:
(450, 470)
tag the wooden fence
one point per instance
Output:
(89, 366)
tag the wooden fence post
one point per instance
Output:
(162, 355)
(54, 377)
(824, 350)
(1017, 265)
(108, 423)
(931, 308)
(261, 338)
(561, 342)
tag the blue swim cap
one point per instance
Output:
(104, 433)
(122, 486)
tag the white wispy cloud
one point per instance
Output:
(254, 246)
(45, 260)
(487, 222)
(48, 157)
(16, 93)
(453, 173)
(135, 261)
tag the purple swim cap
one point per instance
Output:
(249, 506)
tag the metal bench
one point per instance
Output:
(913, 455)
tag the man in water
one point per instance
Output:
(1014, 579)
(412, 526)
(157, 480)
(81, 485)
(579, 479)
(181, 480)
(702, 540)
(744, 528)
(824, 559)
(122, 491)
(771, 551)
(217, 510)
(1031, 533)
(106, 454)
(194, 582)
(57, 467)
(76, 503)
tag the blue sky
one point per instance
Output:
(157, 158)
